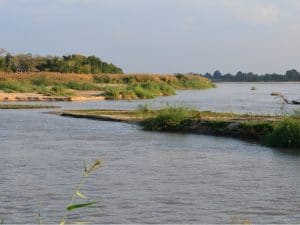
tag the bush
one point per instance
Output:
(285, 135)
(114, 93)
(142, 92)
(166, 89)
(170, 119)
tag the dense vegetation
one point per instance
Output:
(149, 86)
(217, 76)
(74, 63)
(112, 86)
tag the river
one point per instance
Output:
(148, 177)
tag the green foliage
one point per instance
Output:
(256, 130)
(14, 86)
(41, 81)
(170, 119)
(192, 82)
(57, 90)
(67, 64)
(77, 206)
(286, 134)
(78, 195)
(80, 86)
(114, 93)
(145, 90)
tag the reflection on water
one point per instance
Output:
(147, 177)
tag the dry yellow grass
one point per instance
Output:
(55, 77)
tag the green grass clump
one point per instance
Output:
(57, 90)
(255, 130)
(114, 93)
(41, 81)
(170, 119)
(145, 90)
(80, 86)
(286, 134)
(14, 86)
(191, 82)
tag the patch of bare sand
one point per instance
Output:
(80, 96)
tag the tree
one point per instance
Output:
(293, 75)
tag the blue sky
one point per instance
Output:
(159, 36)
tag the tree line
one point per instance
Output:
(217, 76)
(74, 63)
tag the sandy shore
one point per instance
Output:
(32, 97)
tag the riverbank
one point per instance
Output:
(35, 97)
(10, 106)
(44, 86)
(274, 131)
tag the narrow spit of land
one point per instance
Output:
(11, 106)
(274, 131)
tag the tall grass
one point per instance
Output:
(130, 86)
(138, 91)
(171, 118)
(78, 195)
(178, 81)
(286, 134)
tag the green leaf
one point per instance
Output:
(80, 195)
(94, 166)
(73, 207)
(2, 221)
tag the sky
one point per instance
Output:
(159, 36)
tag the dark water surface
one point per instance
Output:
(148, 177)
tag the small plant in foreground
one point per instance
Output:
(78, 194)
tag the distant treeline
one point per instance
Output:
(66, 64)
(217, 76)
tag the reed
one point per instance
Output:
(78, 195)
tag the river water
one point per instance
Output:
(148, 177)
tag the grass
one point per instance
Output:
(10, 106)
(115, 86)
(78, 195)
(286, 134)
(138, 91)
(170, 119)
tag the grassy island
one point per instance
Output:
(49, 86)
(273, 131)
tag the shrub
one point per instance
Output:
(142, 92)
(166, 89)
(113, 93)
(170, 119)
(285, 135)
